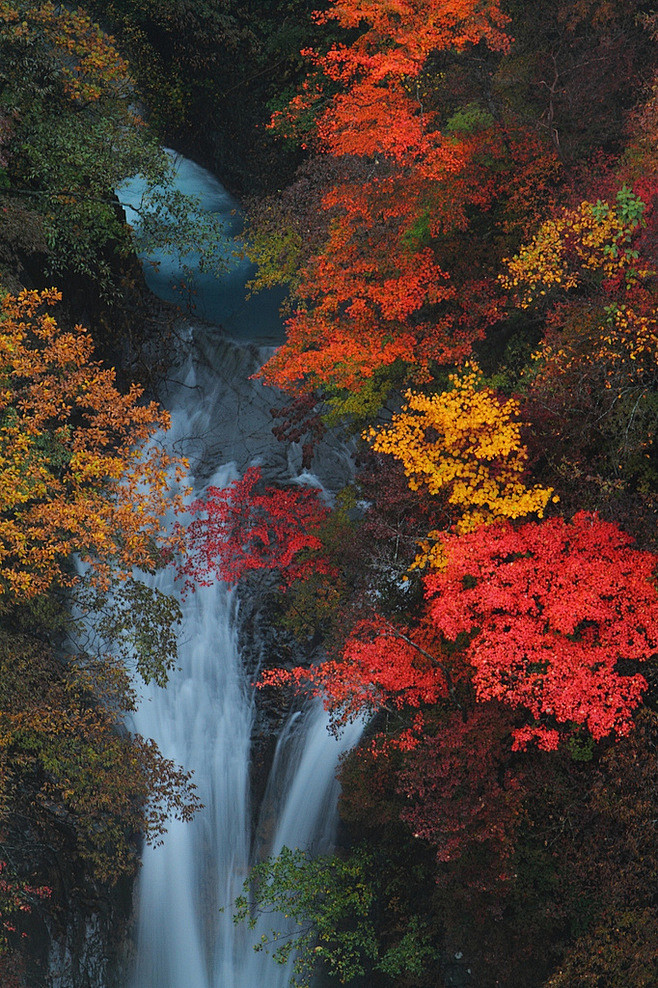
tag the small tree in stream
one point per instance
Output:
(247, 529)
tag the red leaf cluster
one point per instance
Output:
(458, 785)
(244, 530)
(381, 667)
(553, 607)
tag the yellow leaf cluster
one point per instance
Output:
(590, 241)
(539, 266)
(465, 444)
(629, 343)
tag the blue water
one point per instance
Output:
(175, 275)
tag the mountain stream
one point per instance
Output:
(205, 718)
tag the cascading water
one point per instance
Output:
(205, 717)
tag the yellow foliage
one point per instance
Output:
(591, 241)
(88, 63)
(466, 444)
(76, 473)
(622, 343)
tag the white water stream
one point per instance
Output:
(204, 719)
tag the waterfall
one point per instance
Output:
(204, 718)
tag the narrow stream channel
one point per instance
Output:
(204, 719)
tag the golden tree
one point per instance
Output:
(77, 474)
(465, 444)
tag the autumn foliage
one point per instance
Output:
(551, 609)
(545, 613)
(76, 472)
(377, 293)
(89, 63)
(465, 444)
(470, 248)
(579, 248)
(460, 786)
(246, 530)
(16, 897)
(381, 666)
(378, 111)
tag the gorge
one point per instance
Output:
(205, 716)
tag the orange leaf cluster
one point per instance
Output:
(376, 294)
(89, 63)
(379, 112)
(76, 472)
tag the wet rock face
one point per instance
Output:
(263, 642)
(239, 408)
(82, 939)
(92, 952)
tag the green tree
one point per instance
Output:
(328, 908)
(72, 135)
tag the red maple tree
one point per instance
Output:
(246, 530)
(542, 616)
(552, 608)
(383, 666)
